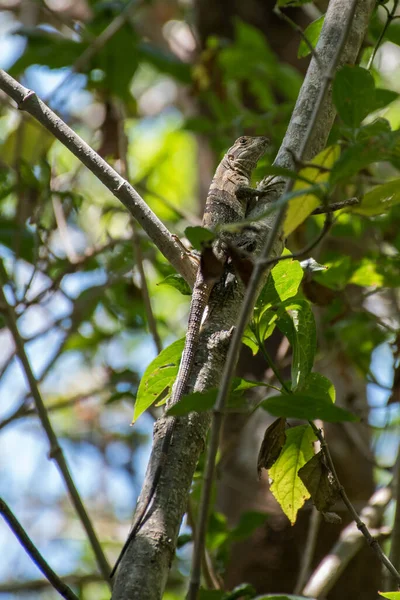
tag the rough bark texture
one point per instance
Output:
(144, 570)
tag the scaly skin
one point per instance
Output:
(223, 205)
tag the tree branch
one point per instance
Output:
(56, 452)
(34, 553)
(156, 230)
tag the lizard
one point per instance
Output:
(226, 203)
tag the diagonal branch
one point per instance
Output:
(350, 542)
(34, 553)
(156, 230)
(55, 450)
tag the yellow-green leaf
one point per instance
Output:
(287, 487)
(301, 207)
(390, 595)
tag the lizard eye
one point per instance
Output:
(243, 140)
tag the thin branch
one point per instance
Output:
(361, 526)
(137, 247)
(304, 251)
(39, 585)
(331, 21)
(389, 19)
(56, 452)
(156, 230)
(210, 574)
(71, 267)
(335, 206)
(27, 411)
(34, 553)
(299, 30)
(151, 321)
(309, 550)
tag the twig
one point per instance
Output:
(26, 411)
(156, 230)
(18, 588)
(335, 206)
(348, 545)
(299, 30)
(56, 452)
(123, 143)
(304, 251)
(331, 20)
(210, 575)
(309, 550)
(34, 553)
(361, 526)
(71, 267)
(390, 17)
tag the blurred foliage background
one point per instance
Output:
(159, 88)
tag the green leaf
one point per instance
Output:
(298, 324)
(177, 282)
(300, 405)
(319, 386)
(198, 236)
(283, 283)
(287, 487)
(312, 34)
(353, 94)
(195, 402)
(379, 200)
(383, 98)
(390, 595)
(203, 401)
(393, 32)
(159, 375)
(250, 340)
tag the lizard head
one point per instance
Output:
(246, 151)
